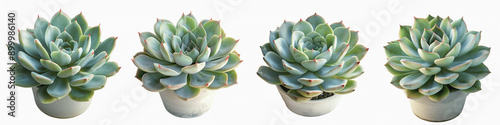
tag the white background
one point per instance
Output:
(252, 101)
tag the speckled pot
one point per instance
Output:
(62, 108)
(444, 110)
(187, 109)
(310, 108)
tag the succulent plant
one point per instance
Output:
(58, 58)
(436, 56)
(186, 57)
(311, 57)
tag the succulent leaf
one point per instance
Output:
(59, 88)
(269, 75)
(44, 96)
(97, 82)
(81, 95)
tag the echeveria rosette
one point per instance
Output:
(187, 57)
(311, 57)
(63, 57)
(436, 56)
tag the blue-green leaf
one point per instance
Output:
(290, 81)
(175, 82)
(269, 75)
(97, 82)
(59, 88)
(151, 82)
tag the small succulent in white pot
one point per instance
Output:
(185, 62)
(312, 64)
(438, 62)
(64, 62)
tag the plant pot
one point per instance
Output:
(444, 110)
(312, 107)
(62, 108)
(191, 108)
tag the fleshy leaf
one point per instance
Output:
(274, 61)
(430, 88)
(474, 88)
(220, 80)
(59, 88)
(97, 82)
(430, 70)
(41, 50)
(52, 66)
(151, 81)
(175, 82)
(233, 62)
(283, 49)
(479, 71)
(195, 68)
(187, 92)
(44, 97)
(80, 95)
(60, 20)
(29, 63)
(440, 95)
(95, 35)
(108, 69)
(459, 66)
(314, 65)
(80, 79)
(61, 58)
(182, 59)
(348, 88)
(329, 71)
(342, 34)
(413, 94)
(332, 84)
(168, 70)
(428, 56)
(465, 81)
(74, 29)
(324, 29)
(107, 45)
(68, 72)
(294, 68)
(46, 78)
(310, 91)
(216, 64)
(303, 26)
(414, 81)
(290, 81)
(408, 47)
(200, 80)
(310, 79)
(446, 77)
(269, 75)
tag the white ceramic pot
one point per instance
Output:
(446, 109)
(62, 108)
(312, 107)
(191, 108)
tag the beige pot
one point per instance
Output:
(444, 110)
(61, 108)
(194, 107)
(312, 107)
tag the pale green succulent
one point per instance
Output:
(58, 58)
(436, 56)
(311, 58)
(187, 57)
